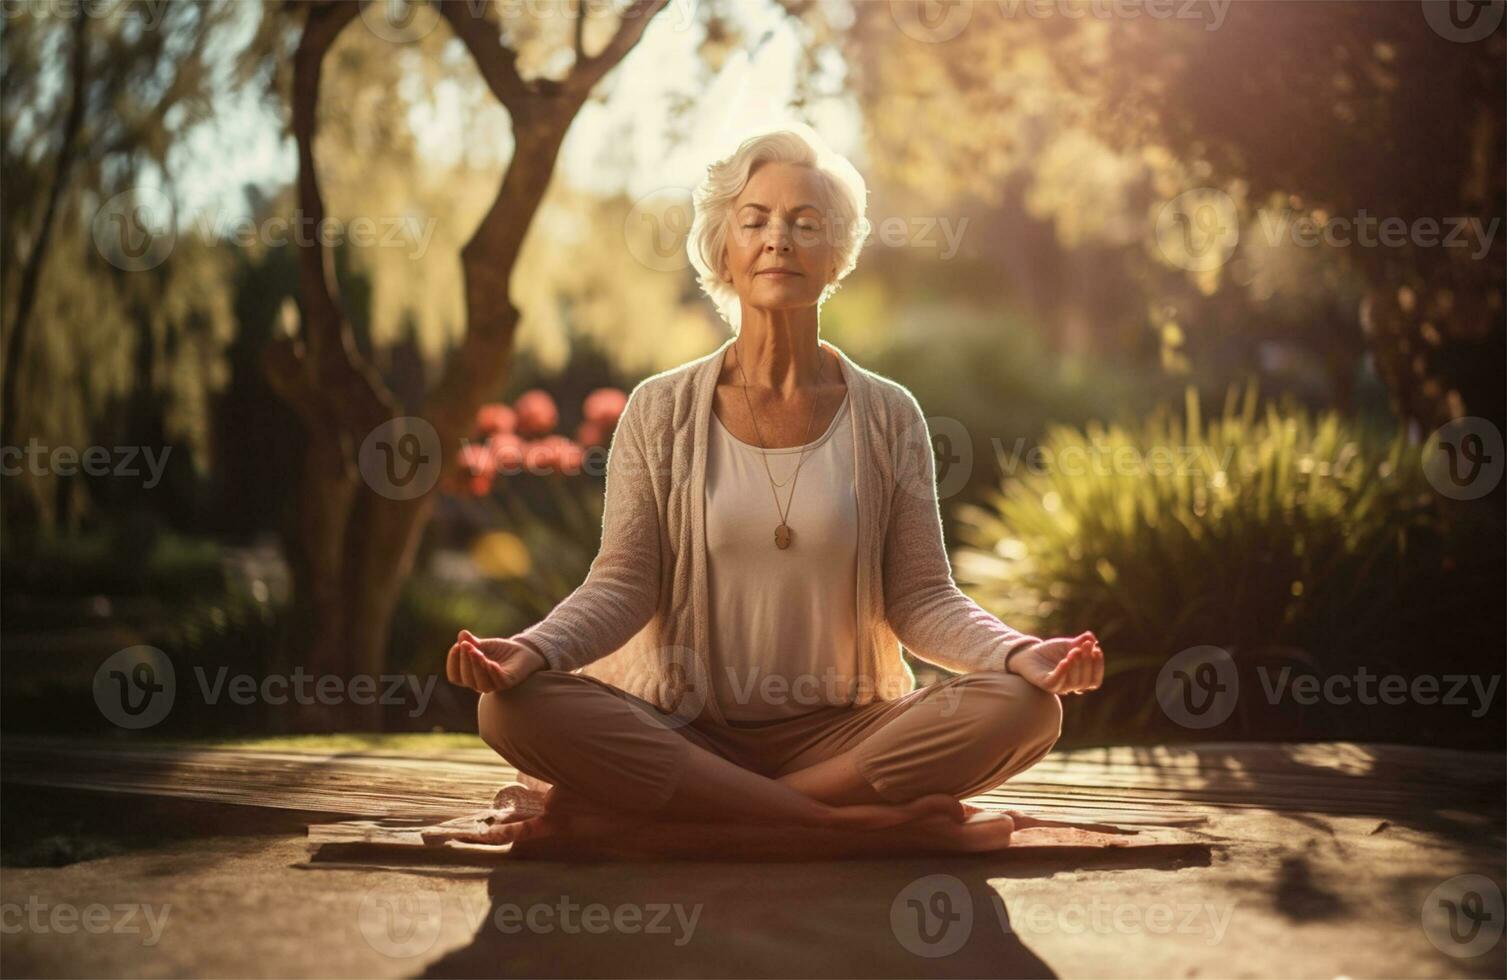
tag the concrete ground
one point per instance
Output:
(159, 889)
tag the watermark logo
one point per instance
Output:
(123, 919)
(1463, 458)
(1462, 917)
(1101, 918)
(116, 461)
(684, 686)
(399, 21)
(932, 916)
(656, 228)
(135, 687)
(567, 916)
(1367, 688)
(1198, 688)
(1198, 229)
(1366, 230)
(931, 21)
(400, 924)
(136, 229)
(1463, 21)
(400, 459)
(935, 458)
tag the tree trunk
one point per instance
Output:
(352, 546)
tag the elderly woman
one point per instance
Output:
(771, 536)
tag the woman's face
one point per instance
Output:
(780, 222)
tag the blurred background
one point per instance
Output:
(318, 317)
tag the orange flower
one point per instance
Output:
(536, 412)
(496, 417)
(604, 406)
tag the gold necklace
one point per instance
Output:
(783, 534)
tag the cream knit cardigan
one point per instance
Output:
(640, 619)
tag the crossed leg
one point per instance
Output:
(613, 759)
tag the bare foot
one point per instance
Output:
(979, 831)
(878, 816)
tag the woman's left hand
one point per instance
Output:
(1062, 665)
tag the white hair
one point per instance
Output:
(843, 187)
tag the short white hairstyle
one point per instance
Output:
(846, 200)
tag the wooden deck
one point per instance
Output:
(1316, 861)
(1161, 785)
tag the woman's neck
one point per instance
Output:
(780, 358)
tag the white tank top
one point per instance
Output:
(783, 621)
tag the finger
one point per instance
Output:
(464, 668)
(486, 682)
(1060, 675)
(1089, 668)
(1078, 677)
(1098, 661)
(486, 668)
(503, 675)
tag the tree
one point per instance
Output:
(355, 544)
(87, 104)
(1340, 110)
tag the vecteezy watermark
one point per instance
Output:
(406, 923)
(1463, 916)
(1364, 687)
(400, 459)
(658, 225)
(1200, 687)
(138, 228)
(1463, 459)
(1366, 230)
(137, 687)
(1118, 460)
(933, 22)
(809, 690)
(121, 461)
(1463, 21)
(1198, 229)
(400, 924)
(122, 919)
(932, 916)
(304, 688)
(1119, 918)
(651, 918)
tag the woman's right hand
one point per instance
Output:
(490, 665)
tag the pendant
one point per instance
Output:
(782, 536)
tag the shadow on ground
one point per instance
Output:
(898, 918)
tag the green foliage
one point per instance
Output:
(1280, 536)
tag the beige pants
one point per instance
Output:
(961, 736)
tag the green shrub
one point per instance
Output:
(1280, 536)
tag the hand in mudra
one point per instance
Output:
(490, 665)
(1062, 665)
